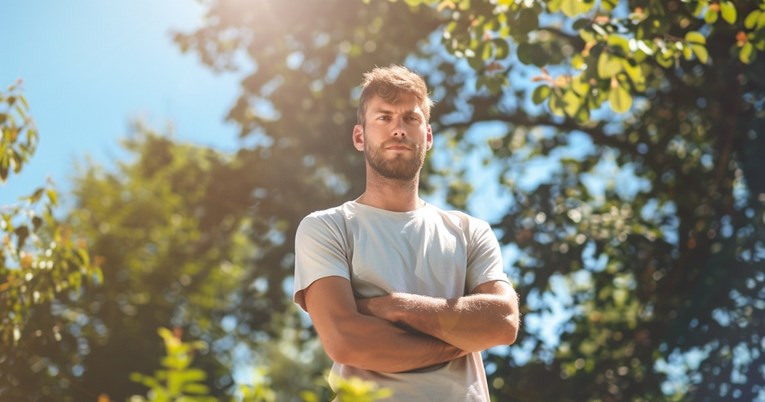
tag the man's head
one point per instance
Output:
(391, 84)
(393, 130)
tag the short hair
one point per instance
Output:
(390, 84)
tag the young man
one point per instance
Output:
(400, 292)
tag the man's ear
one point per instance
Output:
(358, 137)
(429, 138)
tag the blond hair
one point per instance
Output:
(390, 84)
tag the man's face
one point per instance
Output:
(394, 138)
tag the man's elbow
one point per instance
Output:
(344, 351)
(511, 322)
(508, 330)
(505, 330)
(340, 354)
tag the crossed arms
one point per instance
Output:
(401, 332)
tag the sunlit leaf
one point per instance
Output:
(711, 16)
(501, 48)
(701, 52)
(751, 19)
(619, 99)
(557, 105)
(695, 37)
(52, 196)
(572, 103)
(747, 53)
(608, 65)
(540, 94)
(728, 11)
(635, 74)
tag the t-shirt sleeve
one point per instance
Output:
(319, 253)
(484, 263)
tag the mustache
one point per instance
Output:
(403, 142)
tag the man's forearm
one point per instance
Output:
(474, 322)
(375, 344)
(364, 341)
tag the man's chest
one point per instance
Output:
(428, 259)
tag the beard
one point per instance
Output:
(398, 167)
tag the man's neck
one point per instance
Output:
(392, 195)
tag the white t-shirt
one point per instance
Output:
(429, 252)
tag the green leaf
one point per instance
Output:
(36, 223)
(194, 374)
(665, 59)
(572, 8)
(475, 62)
(747, 53)
(52, 196)
(695, 37)
(4, 167)
(711, 16)
(22, 232)
(199, 389)
(572, 103)
(556, 104)
(36, 195)
(580, 86)
(501, 48)
(751, 19)
(554, 5)
(701, 52)
(609, 5)
(728, 12)
(531, 54)
(583, 115)
(619, 99)
(635, 74)
(608, 65)
(619, 44)
(486, 51)
(687, 52)
(581, 23)
(700, 6)
(540, 93)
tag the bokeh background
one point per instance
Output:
(158, 156)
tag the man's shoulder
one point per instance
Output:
(463, 219)
(330, 216)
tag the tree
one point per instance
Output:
(667, 96)
(681, 258)
(41, 262)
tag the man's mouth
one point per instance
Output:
(398, 147)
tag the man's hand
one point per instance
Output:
(487, 317)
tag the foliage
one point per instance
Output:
(178, 381)
(173, 225)
(19, 136)
(607, 50)
(639, 248)
(657, 264)
(41, 262)
(646, 233)
(176, 256)
(357, 390)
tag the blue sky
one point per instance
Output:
(89, 68)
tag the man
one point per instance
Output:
(400, 292)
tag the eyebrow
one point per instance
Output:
(387, 111)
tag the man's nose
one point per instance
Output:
(398, 128)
